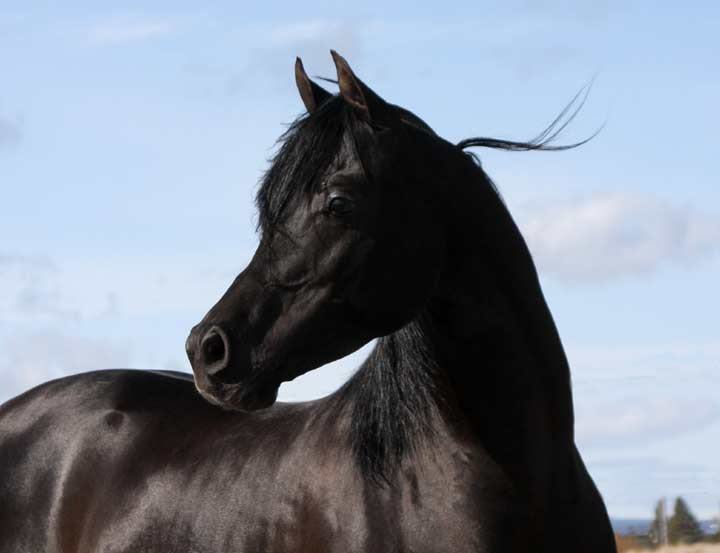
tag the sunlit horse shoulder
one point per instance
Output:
(455, 435)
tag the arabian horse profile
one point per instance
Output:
(454, 436)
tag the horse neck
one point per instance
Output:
(482, 357)
(494, 336)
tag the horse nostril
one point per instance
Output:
(214, 350)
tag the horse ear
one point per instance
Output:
(312, 94)
(354, 91)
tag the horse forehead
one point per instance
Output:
(345, 162)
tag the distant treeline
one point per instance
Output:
(682, 527)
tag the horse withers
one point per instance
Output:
(455, 435)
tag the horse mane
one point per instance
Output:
(394, 398)
(544, 140)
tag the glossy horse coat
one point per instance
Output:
(455, 435)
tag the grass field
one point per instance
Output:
(694, 548)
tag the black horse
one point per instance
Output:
(456, 434)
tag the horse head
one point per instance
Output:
(351, 246)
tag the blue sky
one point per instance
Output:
(132, 139)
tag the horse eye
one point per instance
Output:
(340, 206)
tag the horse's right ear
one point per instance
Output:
(312, 94)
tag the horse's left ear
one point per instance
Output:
(312, 94)
(366, 103)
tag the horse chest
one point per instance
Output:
(462, 501)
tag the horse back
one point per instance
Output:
(136, 460)
(69, 447)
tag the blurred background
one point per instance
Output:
(132, 139)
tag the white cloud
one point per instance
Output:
(308, 31)
(10, 133)
(695, 360)
(312, 40)
(612, 235)
(33, 358)
(643, 393)
(121, 30)
(654, 400)
(29, 288)
(37, 289)
(642, 419)
(631, 485)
